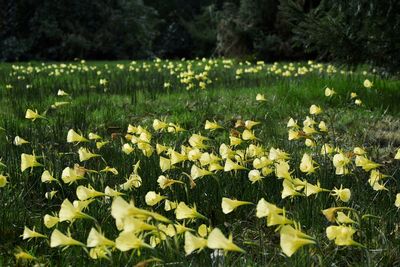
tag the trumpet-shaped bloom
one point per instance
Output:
(196, 172)
(217, 240)
(265, 209)
(250, 124)
(329, 92)
(340, 161)
(193, 243)
(165, 182)
(260, 97)
(183, 211)
(49, 221)
(228, 205)
(71, 175)
(315, 110)
(344, 194)
(68, 212)
(59, 239)
(366, 164)
(248, 135)
(29, 234)
(212, 126)
(254, 176)
(85, 154)
(32, 115)
(277, 154)
(3, 180)
(292, 239)
(343, 235)
(397, 156)
(96, 239)
(397, 201)
(292, 124)
(367, 83)
(28, 161)
(73, 137)
(307, 164)
(93, 136)
(84, 193)
(19, 141)
(232, 166)
(128, 240)
(159, 125)
(127, 149)
(152, 198)
(47, 177)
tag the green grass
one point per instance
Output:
(138, 98)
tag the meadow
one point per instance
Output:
(208, 162)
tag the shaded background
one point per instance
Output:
(352, 32)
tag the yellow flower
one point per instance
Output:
(193, 243)
(277, 154)
(235, 141)
(29, 234)
(329, 92)
(69, 212)
(250, 124)
(111, 192)
(93, 136)
(229, 205)
(292, 123)
(397, 202)
(359, 151)
(160, 149)
(367, 83)
(212, 126)
(344, 194)
(62, 93)
(248, 135)
(254, 176)
(340, 161)
(47, 177)
(366, 164)
(127, 149)
(152, 198)
(165, 182)
(110, 169)
(3, 180)
(353, 95)
(159, 125)
(343, 218)
(84, 193)
(85, 154)
(177, 157)
(96, 239)
(196, 172)
(326, 149)
(310, 189)
(282, 170)
(343, 235)
(292, 239)
(73, 137)
(230, 165)
(100, 252)
(260, 97)
(307, 164)
(289, 189)
(165, 164)
(265, 209)
(28, 161)
(99, 145)
(322, 126)
(70, 175)
(315, 110)
(170, 205)
(182, 211)
(33, 115)
(397, 156)
(59, 239)
(358, 102)
(128, 240)
(50, 221)
(23, 255)
(216, 240)
(294, 134)
(19, 141)
(203, 230)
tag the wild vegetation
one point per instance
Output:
(198, 163)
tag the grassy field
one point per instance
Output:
(101, 134)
